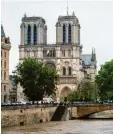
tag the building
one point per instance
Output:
(12, 89)
(5, 49)
(66, 55)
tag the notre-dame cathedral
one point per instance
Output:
(66, 55)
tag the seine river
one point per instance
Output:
(64, 127)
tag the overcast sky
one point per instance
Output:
(96, 20)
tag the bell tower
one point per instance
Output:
(68, 30)
(33, 31)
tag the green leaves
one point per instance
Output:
(35, 78)
(86, 92)
(73, 96)
(104, 79)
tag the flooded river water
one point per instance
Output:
(64, 127)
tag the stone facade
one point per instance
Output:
(5, 48)
(66, 55)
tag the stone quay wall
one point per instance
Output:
(22, 115)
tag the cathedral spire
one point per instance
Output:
(73, 13)
(25, 15)
(92, 57)
(67, 7)
(2, 31)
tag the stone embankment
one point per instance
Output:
(22, 115)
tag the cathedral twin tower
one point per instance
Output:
(34, 30)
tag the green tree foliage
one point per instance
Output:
(104, 80)
(36, 78)
(86, 90)
(73, 96)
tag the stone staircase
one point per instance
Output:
(59, 113)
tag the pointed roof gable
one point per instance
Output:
(2, 31)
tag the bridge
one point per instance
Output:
(85, 110)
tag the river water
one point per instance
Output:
(64, 127)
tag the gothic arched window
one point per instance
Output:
(54, 53)
(29, 35)
(69, 53)
(69, 71)
(69, 33)
(4, 75)
(63, 53)
(64, 33)
(64, 71)
(35, 34)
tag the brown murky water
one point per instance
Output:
(64, 127)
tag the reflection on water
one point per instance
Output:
(64, 127)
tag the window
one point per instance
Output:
(63, 53)
(5, 98)
(44, 53)
(64, 33)
(69, 69)
(1, 64)
(29, 35)
(4, 75)
(1, 53)
(54, 53)
(35, 35)
(4, 88)
(5, 54)
(5, 64)
(69, 33)
(69, 53)
(64, 71)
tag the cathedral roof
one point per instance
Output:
(87, 60)
(33, 18)
(2, 31)
(69, 18)
(66, 18)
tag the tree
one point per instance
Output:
(104, 80)
(86, 90)
(36, 78)
(73, 96)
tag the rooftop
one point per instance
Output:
(87, 60)
(68, 17)
(33, 18)
(2, 31)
